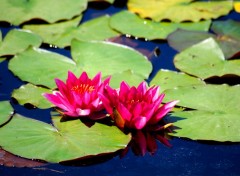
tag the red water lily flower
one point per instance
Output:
(135, 107)
(79, 96)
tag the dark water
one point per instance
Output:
(184, 157)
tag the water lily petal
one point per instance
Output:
(97, 80)
(83, 112)
(139, 122)
(71, 80)
(124, 112)
(162, 111)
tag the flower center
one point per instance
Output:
(82, 88)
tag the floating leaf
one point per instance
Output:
(127, 76)
(32, 94)
(109, 58)
(45, 66)
(6, 111)
(227, 36)
(52, 33)
(179, 10)
(20, 11)
(216, 116)
(91, 57)
(206, 60)
(167, 79)
(129, 23)
(61, 34)
(68, 140)
(17, 41)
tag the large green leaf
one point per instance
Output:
(168, 79)
(92, 57)
(206, 60)
(204, 125)
(68, 140)
(19, 11)
(127, 76)
(61, 34)
(40, 66)
(227, 36)
(216, 115)
(179, 10)
(129, 23)
(109, 58)
(32, 94)
(6, 111)
(52, 33)
(17, 41)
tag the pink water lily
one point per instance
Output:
(135, 107)
(79, 96)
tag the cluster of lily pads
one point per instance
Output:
(207, 111)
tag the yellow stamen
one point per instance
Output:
(82, 88)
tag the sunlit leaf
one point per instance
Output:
(6, 111)
(45, 66)
(64, 141)
(206, 60)
(130, 24)
(17, 41)
(167, 79)
(52, 33)
(92, 57)
(61, 34)
(216, 116)
(32, 94)
(179, 10)
(109, 58)
(227, 35)
(127, 76)
(20, 11)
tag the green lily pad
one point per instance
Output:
(127, 76)
(203, 125)
(109, 58)
(206, 60)
(6, 111)
(20, 11)
(216, 115)
(131, 24)
(32, 94)
(61, 34)
(68, 140)
(92, 57)
(168, 79)
(45, 66)
(227, 35)
(179, 10)
(17, 41)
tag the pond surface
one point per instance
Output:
(183, 157)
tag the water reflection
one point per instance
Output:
(144, 142)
